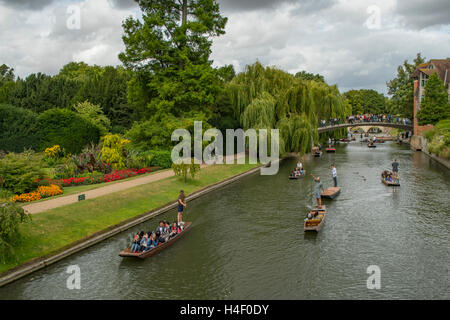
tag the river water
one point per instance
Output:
(247, 240)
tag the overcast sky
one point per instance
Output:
(353, 43)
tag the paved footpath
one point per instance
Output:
(101, 191)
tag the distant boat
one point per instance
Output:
(145, 254)
(371, 146)
(331, 193)
(318, 154)
(330, 150)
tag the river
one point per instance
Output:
(247, 240)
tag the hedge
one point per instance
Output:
(66, 128)
(18, 129)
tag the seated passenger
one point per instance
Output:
(152, 242)
(161, 228)
(143, 242)
(135, 245)
(174, 230)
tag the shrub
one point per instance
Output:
(162, 159)
(182, 170)
(11, 216)
(19, 173)
(67, 129)
(113, 151)
(18, 129)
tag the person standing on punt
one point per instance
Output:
(181, 206)
(395, 168)
(334, 174)
(318, 186)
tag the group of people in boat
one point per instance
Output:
(298, 171)
(145, 241)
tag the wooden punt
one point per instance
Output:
(293, 177)
(331, 193)
(371, 146)
(391, 183)
(330, 150)
(344, 140)
(317, 222)
(318, 154)
(151, 252)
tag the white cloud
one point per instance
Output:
(329, 37)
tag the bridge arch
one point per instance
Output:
(365, 124)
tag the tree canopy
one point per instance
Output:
(435, 105)
(366, 101)
(401, 88)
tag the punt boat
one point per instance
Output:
(331, 193)
(145, 254)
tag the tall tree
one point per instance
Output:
(366, 101)
(435, 106)
(172, 45)
(401, 88)
(6, 74)
(309, 76)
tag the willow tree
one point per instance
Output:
(268, 98)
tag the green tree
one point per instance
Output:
(183, 170)
(171, 46)
(401, 88)
(11, 216)
(94, 114)
(309, 76)
(435, 106)
(366, 101)
(6, 73)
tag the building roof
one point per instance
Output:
(439, 66)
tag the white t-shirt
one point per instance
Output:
(299, 165)
(334, 172)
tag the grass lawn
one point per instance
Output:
(51, 230)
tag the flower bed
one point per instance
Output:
(113, 176)
(41, 192)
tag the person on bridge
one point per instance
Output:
(181, 206)
(318, 187)
(334, 174)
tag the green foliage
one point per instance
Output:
(439, 139)
(18, 129)
(90, 160)
(169, 49)
(303, 75)
(6, 74)
(113, 151)
(183, 170)
(401, 88)
(155, 133)
(11, 216)
(435, 106)
(66, 128)
(366, 101)
(268, 98)
(94, 114)
(40, 92)
(162, 159)
(19, 172)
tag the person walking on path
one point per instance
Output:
(318, 186)
(181, 206)
(334, 174)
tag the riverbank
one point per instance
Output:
(420, 143)
(57, 233)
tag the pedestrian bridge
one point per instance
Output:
(364, 124)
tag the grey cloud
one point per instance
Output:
(420, 14)
(251, 5)
(26, 4)
(123, 4)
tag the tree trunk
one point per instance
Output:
(184, 13)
